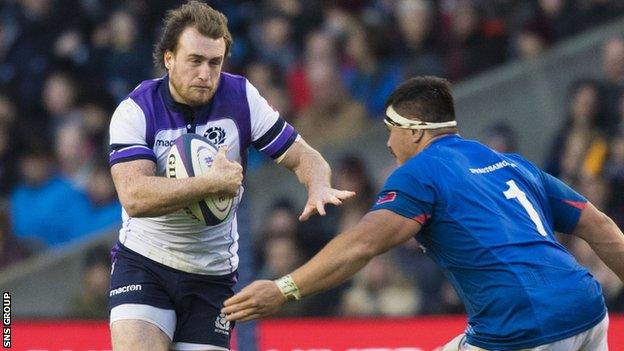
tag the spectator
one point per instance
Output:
(91, 301)
(125, 60)
(352, 174)
(468, 51)
(320, 48)
(96, 114)
(501, 137)
(370, 73)
(12, 250)
(613, 73)
(273, 41)
(416, 20)
(530, 44)
(45, 206)
(7, 145)
(74, 153)
(71, 47)
(614, 173)
(104, 205)
(580, 148)
(554, 20)
(60, 93)
(380, 290)
(333, 116)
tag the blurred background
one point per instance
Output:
(543, 78)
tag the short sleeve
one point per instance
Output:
(127, 134)
(407, 195)
(270, 133)
(566, 204)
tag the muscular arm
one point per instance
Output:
(310, 167)
(377, 232)
(604, 237)
(340, 259)
(143, 194)
(313, 171)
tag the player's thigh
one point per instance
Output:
(596, 339)
(200, 323)
(138, 335)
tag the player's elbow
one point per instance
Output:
(365, 250)
(133, 206)
(593, 225)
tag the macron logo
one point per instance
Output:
(166, 143)
(125, 289)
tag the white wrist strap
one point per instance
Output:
(287, 286)
(394, 119)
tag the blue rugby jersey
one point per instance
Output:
(488, 220)
(147, 123)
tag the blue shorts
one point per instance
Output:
(186, 306)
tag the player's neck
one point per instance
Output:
(429, 139)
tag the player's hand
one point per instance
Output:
(259, 299)
(320, 196)
(227, 175)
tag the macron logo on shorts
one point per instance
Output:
(125, 289)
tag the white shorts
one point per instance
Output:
(594, 339)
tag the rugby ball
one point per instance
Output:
(192, 155)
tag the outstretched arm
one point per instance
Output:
(313, 171)
(340, 259)
(604, 237)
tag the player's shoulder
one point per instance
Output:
(416, 169)
(230, 81)
(145, 88)
(519, 160)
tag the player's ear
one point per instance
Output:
(168, 59)
(417, 136)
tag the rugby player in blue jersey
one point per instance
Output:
(171, 273)
(488, 219)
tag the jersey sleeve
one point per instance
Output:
(270, 134)
(127, 134)
(406, 195)
(566, 204)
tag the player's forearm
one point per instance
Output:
(334, 264)
(310, 167)
(609, 245)
(313, 171)
(151, 196)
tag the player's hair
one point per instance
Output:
(205, 19)
(426, 98)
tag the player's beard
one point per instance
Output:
(193, 96)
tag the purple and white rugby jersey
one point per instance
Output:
(148, 122)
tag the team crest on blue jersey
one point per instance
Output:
(216, 135)
(388, 197)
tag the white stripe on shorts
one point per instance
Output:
(164, 319)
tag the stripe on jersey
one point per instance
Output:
(124, 153)
(270, 135)
(277, 139)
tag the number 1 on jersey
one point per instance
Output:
(515, 193)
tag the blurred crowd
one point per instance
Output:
(328, 67)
